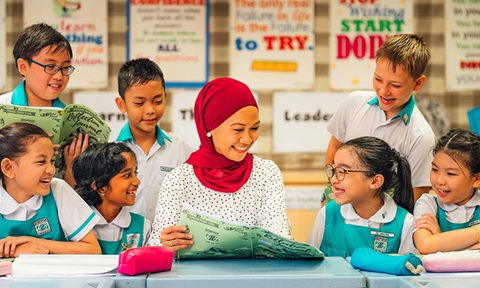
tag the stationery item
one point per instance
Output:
(455, 261)
(5, 268)
(370, 260)
(143, 260)
(218, 238)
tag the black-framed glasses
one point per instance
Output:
(53, 69)
(339, 172)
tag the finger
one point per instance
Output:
(85, 142)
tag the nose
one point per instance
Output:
(246, 138)
(58, 75)
(149, 108)
(50, 169)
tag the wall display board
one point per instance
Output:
(3, 46)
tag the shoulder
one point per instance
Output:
(6, 98)
(260, 163)
(176, 140)
(425, 204)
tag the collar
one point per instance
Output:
(8, 205)
(406, 112)
(122, 220)
(126, 134)
(473, 202)
(385, 214)
(19, 97)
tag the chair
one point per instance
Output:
(474, 120)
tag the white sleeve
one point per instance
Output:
(420, 160)
(147, 229)
(316, 236)
(338, 124)
(406, 244)
(426, 204)
(75, 216)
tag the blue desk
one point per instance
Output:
(428, 280)
(263, 273)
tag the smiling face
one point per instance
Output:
(31, 173)
(394, 88)
(236, 135)
(144, 105)
(123, 187)
(41, 88)
(451, 180)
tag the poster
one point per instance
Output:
(272, 44)
(175, 35)
(462, 45)
(3, 46)
(84, 24)
(357, 29)
(300, 120)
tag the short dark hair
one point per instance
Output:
(138, 72)
(35, 37)
(16, 137)
(98, 164)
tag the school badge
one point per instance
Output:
(132, 241)
(380, 241)
(42, 226)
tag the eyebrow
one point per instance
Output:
(242, 124)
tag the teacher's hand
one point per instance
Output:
(176, 238)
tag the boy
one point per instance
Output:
(44, 56)
(141, 87)
(390, 112)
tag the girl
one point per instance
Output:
(363, 215)
(40, 214)
(106, 177)
(449, 221)
(222, 178)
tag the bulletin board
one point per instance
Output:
(3, 47)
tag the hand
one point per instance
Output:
(78, 145)
(176, 238)
(31, 248)
(9, 244)
(429, 222)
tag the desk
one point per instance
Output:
(428, 280)
(92, 281)
(252, 273)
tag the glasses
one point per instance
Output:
(53, 69)
(339, 172)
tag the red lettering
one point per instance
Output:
(470, 65)
(359, 46)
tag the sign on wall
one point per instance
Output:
(3, 46)
(300, 120)
(174, 34)
(84, 24)
(357, 29)
(272, 44)
(462, 45)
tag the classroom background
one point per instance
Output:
(303, 172)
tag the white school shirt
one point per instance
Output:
(426, 204)
(113, 231)
(259, 202)
(388, 210)
(75, 216)
(168, 152)
(410, 134)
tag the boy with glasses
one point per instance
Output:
(44, 58)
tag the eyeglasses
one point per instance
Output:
(53, 69)
(339, 172)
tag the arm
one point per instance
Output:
(333, 146)
(87, 245)
(70, 152)
(316, 236)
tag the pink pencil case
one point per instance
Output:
(456, 261)
(143, 260)
(5, 268)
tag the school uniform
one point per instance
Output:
(450, 216)
(61, 215)
(127, 230)
(18, 97)
(339, 230)
(408, 132)
(168, 152)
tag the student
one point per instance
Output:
(39, 214)
(106, 177)
(449, 221)
(44, 58)
(221, 177)
(363, 215)
(141, 87)
(390, 112)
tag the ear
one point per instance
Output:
(476, 182)
(7, 166)
(377, 181)
(121, 104)
(22, 66)
(419, 82)
(101, 190)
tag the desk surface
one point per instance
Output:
(251, 273)
(118, 281)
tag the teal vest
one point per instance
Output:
(132, 237)
(340, 239)
(448, 226)
(44, 224)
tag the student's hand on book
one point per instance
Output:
(10, 244)
(78, 145)
(30, 248)
(176, 238)
(429, 222)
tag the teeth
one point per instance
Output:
(240, 148)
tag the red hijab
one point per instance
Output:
(216, 102)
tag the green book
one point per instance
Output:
(218, 238)
(64, 124)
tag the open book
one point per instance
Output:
(218, 238)
(64, 124)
